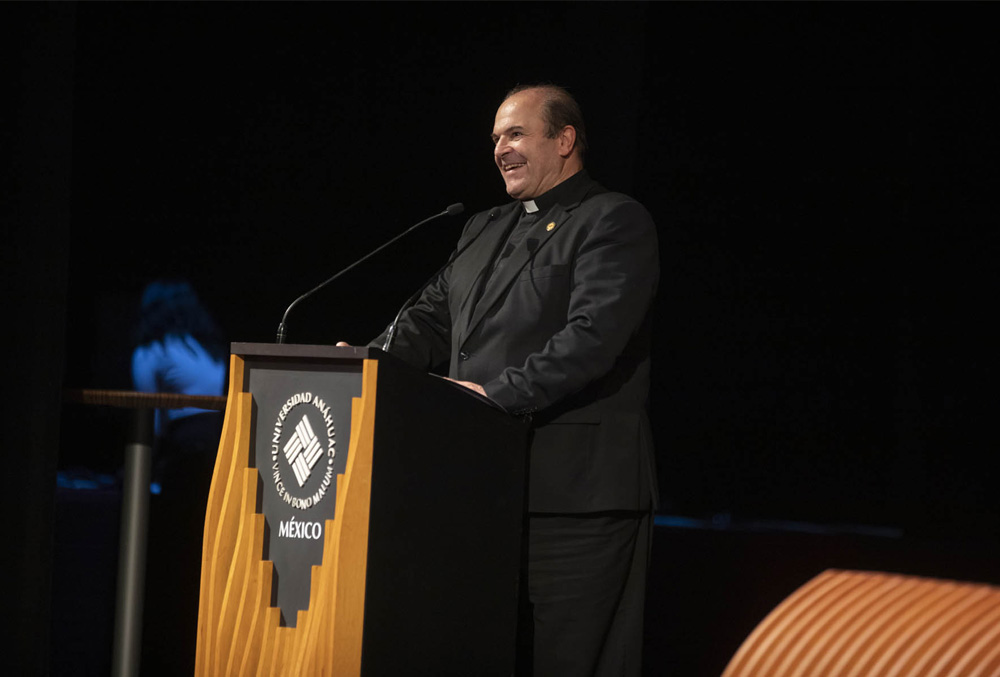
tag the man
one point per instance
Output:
(547, 313)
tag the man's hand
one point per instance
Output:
(474, 387)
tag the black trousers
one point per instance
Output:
(583, 608)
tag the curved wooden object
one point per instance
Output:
(238, 630)
(869, 624)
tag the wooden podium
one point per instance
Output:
(363, 519)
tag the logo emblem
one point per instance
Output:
(301, 449)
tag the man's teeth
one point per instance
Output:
(513, 166)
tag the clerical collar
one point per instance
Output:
(562, 192)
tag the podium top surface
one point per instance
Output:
(303, 351)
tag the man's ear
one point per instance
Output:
(567, 140)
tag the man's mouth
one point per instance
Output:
(511, 161)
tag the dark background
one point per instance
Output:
(822, 176)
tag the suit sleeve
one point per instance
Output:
(613, 283)
(423, 333)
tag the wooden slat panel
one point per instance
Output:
(983, 659)
(863, 623)
(767, 640)
(847, 612)
(236, 580)
(268, 646)
(976, 625)
(350, 582)
(867, 622)
(253, 651)
(238, 632)
(893, 626)
(244, 584)
(220, 517)
(951, 625)
(908, 614)
(330, 643)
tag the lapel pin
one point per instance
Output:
(551, 225)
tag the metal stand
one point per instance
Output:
(135, 509)
(132, 548)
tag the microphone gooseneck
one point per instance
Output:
(391, 334)
(451, 210)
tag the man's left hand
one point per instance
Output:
(474, 387)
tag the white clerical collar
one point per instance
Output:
(529, 206)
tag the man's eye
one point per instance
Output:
(514, 135)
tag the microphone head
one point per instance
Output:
(455, 209)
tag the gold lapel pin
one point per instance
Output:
(550, 226)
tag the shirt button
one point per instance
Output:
(464, 355)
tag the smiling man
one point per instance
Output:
(547, 312)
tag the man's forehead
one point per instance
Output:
(517, 111)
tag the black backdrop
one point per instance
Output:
(822, 175)
(816, 173)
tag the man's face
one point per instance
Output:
(529, 162)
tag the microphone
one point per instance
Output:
(391, 334)
(451, 210)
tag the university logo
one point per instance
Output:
(303, 450)
(298, 448)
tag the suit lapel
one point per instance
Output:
(499, 283)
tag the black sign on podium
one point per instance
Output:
(302, 421)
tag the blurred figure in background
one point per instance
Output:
(179, 349)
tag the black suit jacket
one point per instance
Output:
(561, 333)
